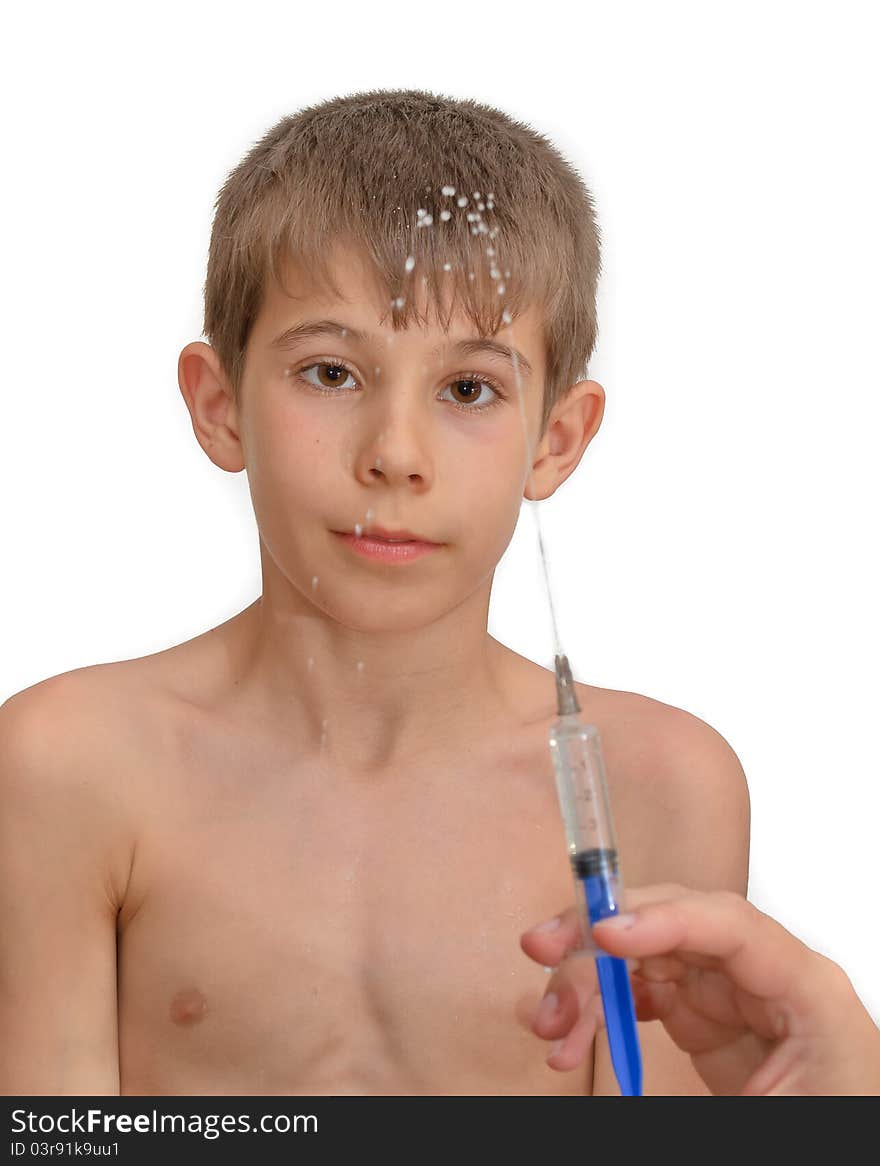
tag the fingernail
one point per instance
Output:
(548, 1007)
(621, 921)
(550, 925)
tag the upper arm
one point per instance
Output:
(58, 1025)
(693, 830)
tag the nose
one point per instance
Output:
(395, 447)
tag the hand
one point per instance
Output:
(759, 1012)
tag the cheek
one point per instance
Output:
(289, 462)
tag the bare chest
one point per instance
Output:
(296, 931)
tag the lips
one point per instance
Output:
(398, 536)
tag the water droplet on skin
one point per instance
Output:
(462, 201)
(410, 263)
(378, 463)
(507, 273)
(358, 530)
(506, 317)
(470, 275)
(500, 289)
(376, 370)
(344, 332)
(360, 665)
(448, 191)
(314, 582)
(446, 215)
(398, 303)
(310, 664)
(370, 513)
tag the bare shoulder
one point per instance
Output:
(678, 788)
(62, 762)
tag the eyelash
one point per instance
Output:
(477, 378)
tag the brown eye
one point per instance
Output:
(468, 390)
(329, 376)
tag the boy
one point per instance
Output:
(296, 854)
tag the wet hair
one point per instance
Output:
(374, 170)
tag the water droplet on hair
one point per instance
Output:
(506, 317)
(470, 275)
(426, 221)
(410, 263)
(490, 251)
(490, 206)
(421, 212)
(472, 217)
(494, 273)
(447, 267)
(398, 303)
(490, 196)
(500, 289)
(446, 216)
(462, 201)
(477, 194)
(447, 190)
(481, 206)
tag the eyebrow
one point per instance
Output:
(308, 329)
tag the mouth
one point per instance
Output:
(391, 546)
(382, 534)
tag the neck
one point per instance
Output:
(370, 700)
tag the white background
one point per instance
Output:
(716, 549)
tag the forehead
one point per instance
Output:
(362, 299)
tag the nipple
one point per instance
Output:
(188, 1007)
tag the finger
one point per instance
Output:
(570, 1050)
(571, 991)
(550, 942)
(758, 953)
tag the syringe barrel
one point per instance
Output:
(581, 784)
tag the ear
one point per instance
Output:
(571, 426)
(208, 397)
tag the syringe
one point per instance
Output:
(583, 797)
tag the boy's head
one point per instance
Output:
(361, 169)
(463, 315)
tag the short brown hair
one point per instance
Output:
(375, 169)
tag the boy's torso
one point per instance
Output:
(288, 930)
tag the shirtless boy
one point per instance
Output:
(297, 854)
